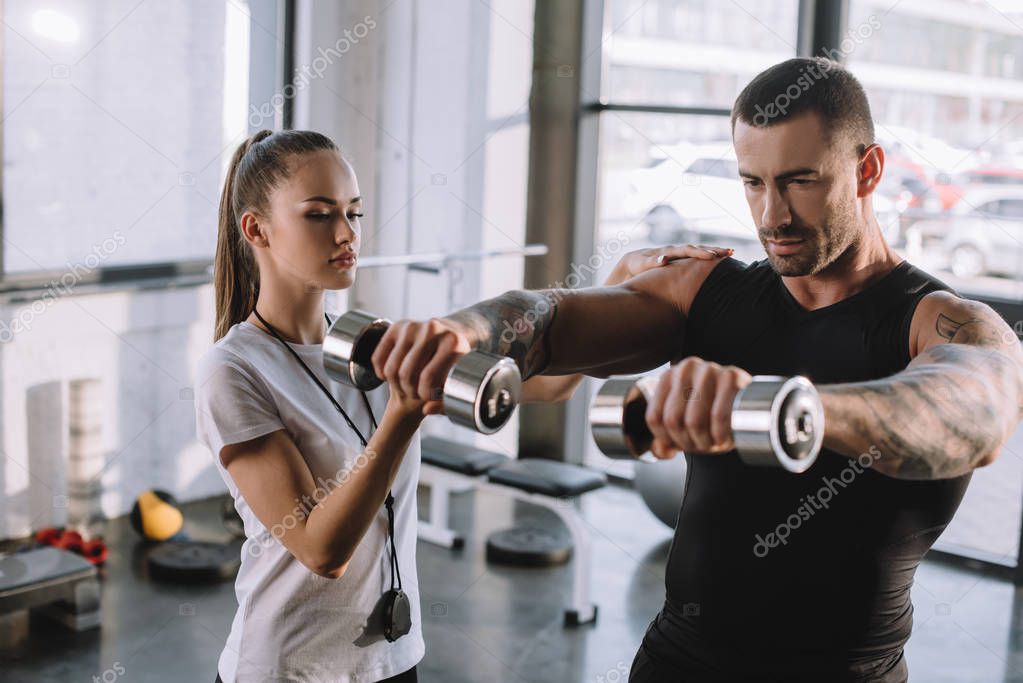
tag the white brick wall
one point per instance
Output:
(144, 346)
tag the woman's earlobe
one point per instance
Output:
(252, 231)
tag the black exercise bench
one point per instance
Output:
(452, 467)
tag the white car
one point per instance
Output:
(699, 199)
(985, 236)
(707, 204)
(633, 193)
(976, 201)
(932, 153)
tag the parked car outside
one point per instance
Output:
(985, 237)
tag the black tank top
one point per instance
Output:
(833, 600)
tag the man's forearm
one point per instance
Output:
(515, 324)
(947, 413)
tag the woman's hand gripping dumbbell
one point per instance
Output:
(702, 407)
(480, 391)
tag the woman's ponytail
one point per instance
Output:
(257, 167)
(235, 276)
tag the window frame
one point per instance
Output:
(25, 286)
(813, 19)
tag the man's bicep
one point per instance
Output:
(622, 329)
(944, 318)
(972, 341)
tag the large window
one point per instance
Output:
(119, 118)
(947, 97)
(945, 83)
(667, 168)
(683, 52)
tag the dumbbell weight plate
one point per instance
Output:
(778, 421)
(482, 390)
(618, 417)
(348, 347)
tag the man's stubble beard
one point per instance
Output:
(822, 246)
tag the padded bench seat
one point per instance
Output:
(459, 457)
(547, 477)
(533, 475)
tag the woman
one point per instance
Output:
(324, 476)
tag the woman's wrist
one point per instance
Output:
(404, 415)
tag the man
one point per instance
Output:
(774, 576)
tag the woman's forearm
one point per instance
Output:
(351, 500)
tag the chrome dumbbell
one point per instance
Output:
(480, 392)
(776, 421)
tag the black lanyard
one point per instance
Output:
(389, 502)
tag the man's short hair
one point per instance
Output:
(806, 84)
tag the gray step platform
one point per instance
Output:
(54, 582)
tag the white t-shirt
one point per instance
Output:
(292, 624)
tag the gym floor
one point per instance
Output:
(488, 623)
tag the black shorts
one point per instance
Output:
(645, 669)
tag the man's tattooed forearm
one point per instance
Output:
(949, 411)
(515, 324)
(937, 419)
